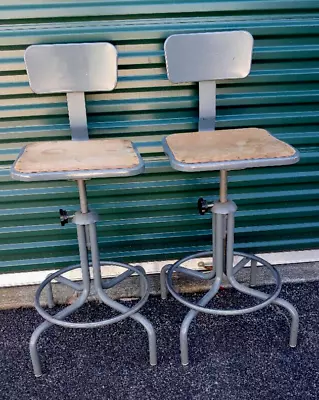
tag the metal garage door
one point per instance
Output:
(153, 216)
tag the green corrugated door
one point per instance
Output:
(153, 216)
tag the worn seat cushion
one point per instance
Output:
(227, 145)
(59, 156)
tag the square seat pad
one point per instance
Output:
(71, 156)
(227, 149)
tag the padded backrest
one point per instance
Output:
(75, 67)
(197, 57)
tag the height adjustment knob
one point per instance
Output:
(64, 218)
(203, 206)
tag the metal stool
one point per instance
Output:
(75, 69)
(206, 58)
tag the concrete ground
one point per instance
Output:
(244, 357)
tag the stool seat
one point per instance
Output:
(70, 159)
(229, 149)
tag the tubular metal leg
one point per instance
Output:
(73, 285)
(207, 276)
(294, 327)
(112, 303)
(64, 313)
(142, 285)
(218, 227)
(49, 288)
(44, 326)
(163, 281)
(190, 316)
(109, 283)
(50, 298)
(256, 293)
(253, 273)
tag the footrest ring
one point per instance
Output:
(97, 324)
(181, 299)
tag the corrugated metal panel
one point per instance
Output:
(154, 216)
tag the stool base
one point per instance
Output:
(168, 270)
(223, 225)
(87, 238)
(223, 222)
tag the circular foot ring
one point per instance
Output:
(97, 324)
(266, 302)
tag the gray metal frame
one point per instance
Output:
(74, 69)
(223, 218)
(206, 67)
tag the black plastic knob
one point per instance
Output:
(202, 206)
(64, 218)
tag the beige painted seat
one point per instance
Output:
(71, 159)
(231, 146)
(62, 156)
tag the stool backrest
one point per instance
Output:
(74, 69)
(206, 58)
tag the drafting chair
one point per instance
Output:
(207, 58)
(75, 69)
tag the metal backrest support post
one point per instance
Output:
(77, 115)
(207, 58)
(207, 106)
